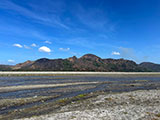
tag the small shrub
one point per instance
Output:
(157, 115)
(108, 99)
(62, 101)
(73, 117)
(81, 96)
(125, 113)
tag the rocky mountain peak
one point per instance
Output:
(42, 60)
(72, 59)
(90, 56)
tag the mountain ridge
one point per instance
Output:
(88, 62)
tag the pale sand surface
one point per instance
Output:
(22, 87)
(136, 105)
(82, 73)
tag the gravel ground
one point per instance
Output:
(136, 105)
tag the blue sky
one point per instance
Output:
(33, 29)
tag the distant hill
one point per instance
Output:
(88, 62)
(150, 66)
(5, 67)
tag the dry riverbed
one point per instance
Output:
(88, 97)
(135, 105)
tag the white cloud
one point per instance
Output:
(64, 49)
(33, 45)
(116, 53)
(48, 42)
(11, 61)
(44, 49)
(17, 45)
(25, 46)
